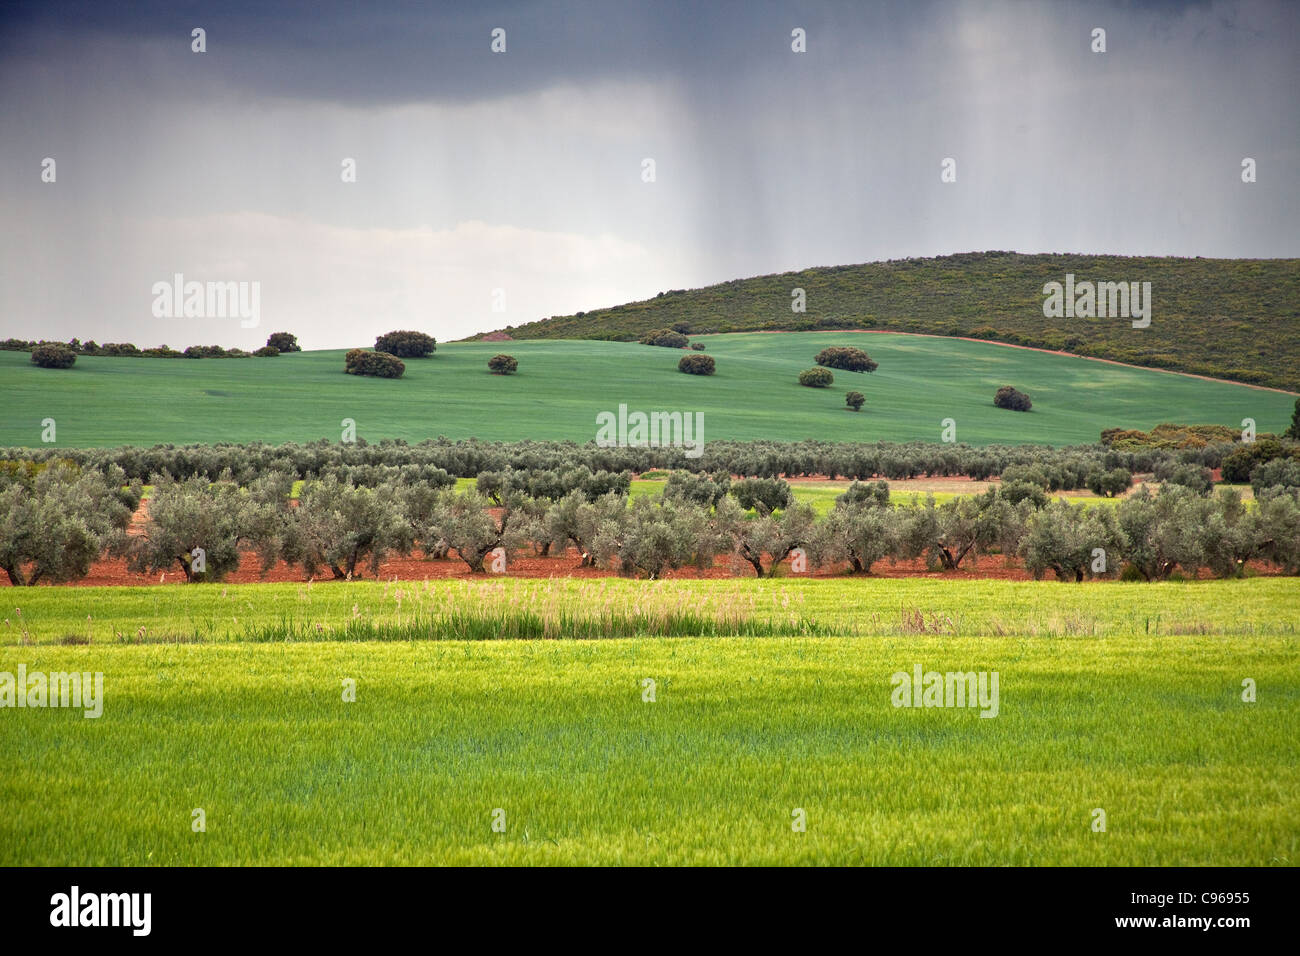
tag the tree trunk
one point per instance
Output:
(475, 560)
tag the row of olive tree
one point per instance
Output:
(360, 461)
(201, 527)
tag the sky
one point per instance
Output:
(497, 188)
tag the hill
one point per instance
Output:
(1237, 319)
(562, 386)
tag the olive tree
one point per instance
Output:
(1161, 532)
(1279, 529)
(340, 527)
(769, 536)
(575, 520)
(1230, 534)
(859, 532)
(1110, 483)
(763, 495)
(872, 493)
(946, 534)
(194, 524)
(1067, 539)
(703, 490)
(462, 521)
(654, 535)
(55, 526)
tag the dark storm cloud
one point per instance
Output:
(522, 171)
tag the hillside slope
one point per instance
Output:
(563, 385)
(1228, 318)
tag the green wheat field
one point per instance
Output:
(1121, 697)
(563, 385)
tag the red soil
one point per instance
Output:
(990, 567)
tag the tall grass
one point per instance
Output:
(567, 608)
(503, 611)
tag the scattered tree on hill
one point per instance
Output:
(846, 357)
(266, 351)
(1293, 430)
(696, 364)
(816, 377)
(283, 342)
(697, 346)
(53, 355)
(503, 364)
(377, 364)
(665, 338)
(204, 351)
(855, 400)
(406, 344)
(1009, 397)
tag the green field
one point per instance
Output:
(1226, 318)
(563, 385)
(493, 608)
(1120, 697)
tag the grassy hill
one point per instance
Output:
(1227, 318)
(562, 385)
